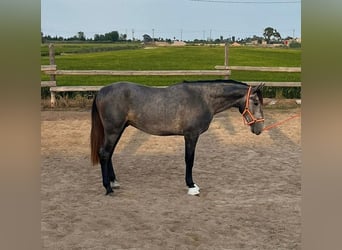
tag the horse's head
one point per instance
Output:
(252, 110)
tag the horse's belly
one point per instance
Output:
(159, 126)
(164, 116)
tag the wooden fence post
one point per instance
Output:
(52, 59)
(226, 57)
(52, 77)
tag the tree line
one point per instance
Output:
(270, 35)
(112, 36)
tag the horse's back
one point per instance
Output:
(159, 111)
(136, 94)
(122, 94)
(119, 88)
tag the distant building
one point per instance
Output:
(290, 40)
(165, 44)
(235, 44)
(162, 44)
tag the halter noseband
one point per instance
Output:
(248, 117)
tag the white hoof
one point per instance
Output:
(194, 191)
(115, 184)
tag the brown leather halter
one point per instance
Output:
(248, 117)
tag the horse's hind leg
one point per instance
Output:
(105, 154)
(112, 177)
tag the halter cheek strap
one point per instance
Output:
(248, 117)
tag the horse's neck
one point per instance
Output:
(223, 97)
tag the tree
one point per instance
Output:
(97, 37)
(112, 36)
(147, 38)
(270, 32)
(81, 36)
(123, 37)
(277, 35)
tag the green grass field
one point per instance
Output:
(82, 57)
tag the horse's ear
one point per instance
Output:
(257, 90)
(259, 87)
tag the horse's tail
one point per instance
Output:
(96, 134)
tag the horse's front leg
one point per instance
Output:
(190, 146)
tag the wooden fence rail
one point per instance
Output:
(276, 84)
(224, 71)
(54, 89)
(49, 70)
(265, 69)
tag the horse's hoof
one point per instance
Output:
(109, 192)
(115, 184)
(194, 190)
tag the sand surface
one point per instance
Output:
(250, 187)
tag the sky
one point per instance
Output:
(171, 19)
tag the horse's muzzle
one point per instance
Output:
(257, 128)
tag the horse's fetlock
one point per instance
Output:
(109, 191)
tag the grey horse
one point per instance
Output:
(185, 109)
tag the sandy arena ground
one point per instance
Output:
(250, 187)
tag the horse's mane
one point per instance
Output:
(258, 92)
(216, 81)
(261, 99)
